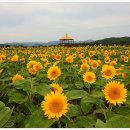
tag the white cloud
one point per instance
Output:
(49, 21)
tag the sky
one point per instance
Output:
(49, 21)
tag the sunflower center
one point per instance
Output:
(108, 72)
(95, 65)
(114, 94)
(54, 89)
(89, 78)
(56, 106)
(54, 73)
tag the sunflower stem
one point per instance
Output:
(110, 107)
(59, 124)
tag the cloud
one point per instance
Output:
(49, 21)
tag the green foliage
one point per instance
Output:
(38, 120)
(76, 94)
(5, 115)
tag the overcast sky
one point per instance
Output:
(42, 22)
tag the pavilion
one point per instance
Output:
(66, 40)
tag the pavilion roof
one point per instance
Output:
(66, 37)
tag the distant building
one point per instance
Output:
(66, 40)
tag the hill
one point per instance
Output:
(114, 40)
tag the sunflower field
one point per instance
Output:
(65, 87)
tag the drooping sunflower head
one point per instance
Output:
(115, 92)
(108, 71)
(55, 105)
(54, 72)
(89, 77)
(17, 77)
(56, 87)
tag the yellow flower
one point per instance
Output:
(81, 55)
(14, 58)
(54, 72)
(31, 64)
(124, 75)
(125, 59)
(17, 77)
(69, 59)
(55, 105)
(108, 71)
(115, 93)
(37, 66)
(56, 87)
(91, 53)
(32, 71)
(113, 63)
(89, 77)
(84, 61)
(107, 59)
(58, 57)
(2, 58)
(85, 66)
(94, 64)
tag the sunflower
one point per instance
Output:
(113, 63)
(55, 105)
(94, 64)
(37, 66)
(54, 72)
(107, 59)
(125, 59)
(115, 92)
(14, 58)
(91, 53)
(108, 71)
(17, 77)
(85, 66)
(58, 57)
(56, 87)
(32, 71)
(69, 59)
(31, 64)
(89, 77)
(124, 75)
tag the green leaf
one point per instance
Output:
(79, 85)
(64, 86)
(38, 120)
(43, 89)
(74, 110)
(84, 122)
(22, 84)
(118, 121)
(87, 103)
(76, 94)
(16, 96)
(10, 122)
(97, 94)
(122, 110)
(100, 124)
(5, 114)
